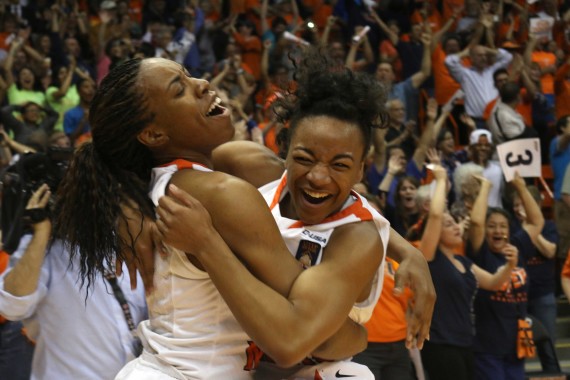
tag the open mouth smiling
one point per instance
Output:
(215, 108)
(315, 197)
(500, 238)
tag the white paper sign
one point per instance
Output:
(542, 27)
(522, 155)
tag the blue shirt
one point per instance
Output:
(559, 161)
(71, 120)
(374, 179)
(79, 337)
(409, 95)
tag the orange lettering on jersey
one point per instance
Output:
(518, 277)
(518, 280)
(253, 356)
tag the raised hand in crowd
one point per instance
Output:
(433, 156)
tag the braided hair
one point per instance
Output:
(112, 170)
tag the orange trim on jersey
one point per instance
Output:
(4, 261)
(183, 164)
(356, 208)
(278, 192)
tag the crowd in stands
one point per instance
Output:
(461, 77)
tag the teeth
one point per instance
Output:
(315, 195)
(215, 103)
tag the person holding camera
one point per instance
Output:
(78, 337)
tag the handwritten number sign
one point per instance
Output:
(521, 155)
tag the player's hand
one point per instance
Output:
(414, 273)
(183, 222)
(138, 242)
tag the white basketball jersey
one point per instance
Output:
(307, 242)
(190, 327)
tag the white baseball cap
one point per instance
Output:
(474, 137)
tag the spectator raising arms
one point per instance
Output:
(490, 242)
(449, 353)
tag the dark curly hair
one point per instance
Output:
(111, 170)
(325, 89)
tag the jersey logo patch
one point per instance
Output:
(308, 253)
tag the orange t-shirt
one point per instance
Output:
(250, 53)
(388, 321)
(562, 91)
(445, 85)
(434, 19)
(503, 29)
(544, 59)
(4, 261)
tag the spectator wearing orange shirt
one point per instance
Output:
(445, 85)
(536, 51)
(387, 356)
(513, 24)
(249, 43)
(430, 14)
